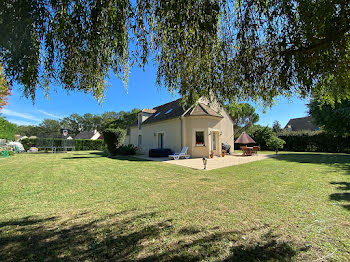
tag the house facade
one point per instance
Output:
(202, 128)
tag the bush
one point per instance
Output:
(87, 144)
(261, 135)
(7, 129)
(114, 138)
(315, 141)
(275, 143)
(127, 150)
(11, 153)
(28, 143)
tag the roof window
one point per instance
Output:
(169, 111)
(157, 114)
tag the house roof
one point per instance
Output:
(85, 135)
(150, 111)
(202, 110)
(301, 123)
(175, 109)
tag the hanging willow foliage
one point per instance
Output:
(238, 49)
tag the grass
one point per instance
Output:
(82, 206)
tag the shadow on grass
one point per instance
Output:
(336, 161)
(132, 236)
(102, 154)
(80, 157)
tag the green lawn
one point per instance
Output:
(82, 206)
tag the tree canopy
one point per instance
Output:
(333, 118)
(7, 129)
(4, 89)
(276, 126)
(232, 49)
(243, 116)
(77, 123)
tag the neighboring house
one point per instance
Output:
(301, 123)
(202, 128)
(92, 135)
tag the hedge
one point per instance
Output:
(315, 142)
(87, 144)
(80, 144)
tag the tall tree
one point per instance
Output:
(4, 89)
(50, 127)
(246, 49)
(243, 116)
(30, 130)
(276, 126)
(74, 123)
(332, 118)
(7, 129)
(91, 122)
(124, 119)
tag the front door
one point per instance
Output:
(160, 140)
(214, 142)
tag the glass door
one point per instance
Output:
(214, 142)
(160, 140)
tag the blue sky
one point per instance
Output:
(142, 93)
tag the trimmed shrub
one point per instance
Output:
(114, 138)
(313, 141)
(87, 144)
(275, 143)
(127, 150)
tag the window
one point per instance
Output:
(157, 114)
(169, 111)
(139, 142)
(140, 121)
(199, 138)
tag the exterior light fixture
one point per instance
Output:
(205, 160)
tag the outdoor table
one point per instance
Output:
(248, 151)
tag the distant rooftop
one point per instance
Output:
(301, 123)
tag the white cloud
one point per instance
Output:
(20, 122)
(49, 114)
(8, 112)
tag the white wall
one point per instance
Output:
(170, 128)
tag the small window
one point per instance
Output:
(140, 121)
(169, 111)
(139, 142)
(199, 138)
(157, 114)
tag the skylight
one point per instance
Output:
(157, 114)
(169, 111)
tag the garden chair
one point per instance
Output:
(256, 149)
(182, 154)
(246, 151)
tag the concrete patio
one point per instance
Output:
(213, 163)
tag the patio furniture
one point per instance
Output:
(160, 152)
(247, 151)
(182, 154)
(256, 149)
